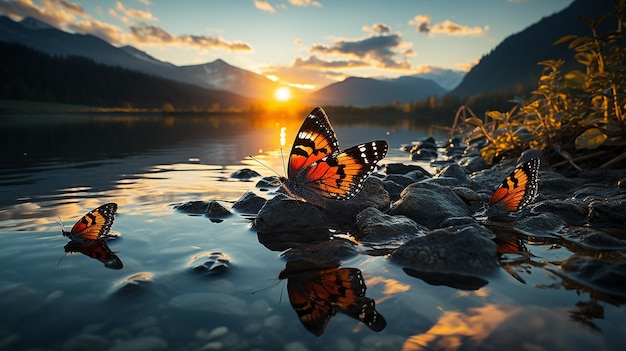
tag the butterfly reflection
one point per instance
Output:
(97, 249)
(88, 236)
(317, 293)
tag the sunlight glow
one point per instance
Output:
(282, 94)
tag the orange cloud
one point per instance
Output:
(264, 6)
(422, 24)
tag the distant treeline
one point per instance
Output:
(31, 75)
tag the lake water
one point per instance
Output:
(57, 168)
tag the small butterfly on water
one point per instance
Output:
(318, 171)
(318, 294)
(518, 189)
(88, 236)
(94, 225)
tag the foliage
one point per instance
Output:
(568, 111)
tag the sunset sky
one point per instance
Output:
(304, 43)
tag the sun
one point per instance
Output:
(282, 94)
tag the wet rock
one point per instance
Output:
(593, 238)
(216, 210)
(472, 164)
(214, 263)
(468, 195)
(283, 213)
(141, 343)
(281, 241)
(322, 252)
(453, 280)
(393, 189)
(597, 274)
(552, 183)
(543, 224)
(219, 303)
(460, 222)
(424, 155)
(429, 204)
(249, 203)
(570, 212)
(466, 251)
(377, 227)
(268, 182)
(455, 172)
(400, 168)
(192, 207)
(611, 213)
(400, 179)
(244, 174)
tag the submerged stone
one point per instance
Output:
(374, 226)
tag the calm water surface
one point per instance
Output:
(57, 168)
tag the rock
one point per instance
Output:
(596, 274)
(593, 238)
(244, 174)
(400, 168)
(141, 343)
(219, 303)
(424, 155)
(400, 179)
(455, 172)
(377, 227)
(216, 263)
(268, 182)
(611, 213)
(393, 189)
(453, 280)
(282, 213)
(192, 207)
(216, 210)
(472, 164)
(429, 204)
(322, 252)
(570, 212)
(281, 241)
(249, 203)
(466, 251)
(543, 224)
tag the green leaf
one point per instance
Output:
(590, 139)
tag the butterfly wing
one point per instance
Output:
(95, 224)
(97, 249)
(519, 188)
(315, 140)
(310, 301)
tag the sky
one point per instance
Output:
(301, 43)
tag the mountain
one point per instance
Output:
(368, 91)
(513, 63)
(446, 78)
(30, 75)
(215, 75)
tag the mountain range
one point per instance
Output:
(512, 64)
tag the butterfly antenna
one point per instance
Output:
(61, 259)
(282, 157)
(264, 165)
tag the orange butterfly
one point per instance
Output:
(94, 225)
(97, 249)
(318, 294)
(318, 171)
(519, 188)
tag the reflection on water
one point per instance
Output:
(64, 167)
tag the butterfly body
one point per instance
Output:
(318, 294)
(518, 189)
(318, 171)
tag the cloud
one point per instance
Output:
(377, 28)
(305, 3)
(422, 24)
(152, 34)
(75, 8)
(378, 50)
(313, 62)
(264, 6)
(135, 14)
(109, 32)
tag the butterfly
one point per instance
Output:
(318, 294)
(97, 249)
(318, 171)
(519, 188)
(94, 225)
